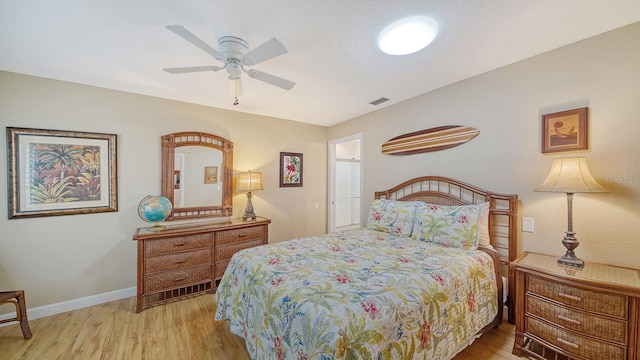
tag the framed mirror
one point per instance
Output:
(197, 175)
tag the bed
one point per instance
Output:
(422, 280)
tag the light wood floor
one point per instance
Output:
(175, 331)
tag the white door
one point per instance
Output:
(345, 183)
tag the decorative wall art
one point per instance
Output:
(210, 174)
(55, 172)
(434, 139)
(176, 179)
(564, 131)
(290, 169)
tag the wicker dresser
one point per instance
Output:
(570, 313)
(187, 259)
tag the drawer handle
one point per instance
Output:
(180, 244)
(573, 321)
(568, 343)
(242, 234)
(180, 279)
(570, 297)
(179, 261)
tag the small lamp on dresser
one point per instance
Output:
(249, 182)
(570, 175)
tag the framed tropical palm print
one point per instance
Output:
(54, 172)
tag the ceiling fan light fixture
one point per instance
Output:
(235, 86)
(407, 35)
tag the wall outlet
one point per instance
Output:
(315, 204)
(527, 225)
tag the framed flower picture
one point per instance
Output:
(290, 169)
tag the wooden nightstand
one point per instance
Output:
(571, 313)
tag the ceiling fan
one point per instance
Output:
(234, 53)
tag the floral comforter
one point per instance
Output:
(360, 294)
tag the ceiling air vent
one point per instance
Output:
(379, 101)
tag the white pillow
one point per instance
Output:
(484, 239)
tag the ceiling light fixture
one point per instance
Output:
(407, 35)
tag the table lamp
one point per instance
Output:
(570, 175)
(249, 182)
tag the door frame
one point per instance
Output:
(331, 176)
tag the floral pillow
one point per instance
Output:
(392, 216)
(454, 226)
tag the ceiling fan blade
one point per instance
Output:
(190, 37)
(271, 79)
(188, 69)
(266, 51)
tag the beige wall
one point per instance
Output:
(62, 258)
(602, 73)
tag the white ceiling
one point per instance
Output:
(123, 45)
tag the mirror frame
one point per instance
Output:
(169, 143)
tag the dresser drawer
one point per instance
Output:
(221, 267)
(571, 343)
(177, 260)
(607, 304)
(177, 278)
(227, 251)
(243, 234)
(181, 243)
(581, 322)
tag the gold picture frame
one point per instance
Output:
(210, 174)
(564, 131)
(54, 172)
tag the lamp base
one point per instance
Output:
(571, 260)
(570, 242)
(249, 214)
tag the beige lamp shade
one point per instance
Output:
(570, 175)
(249, 181)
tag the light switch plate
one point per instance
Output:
(527, 225)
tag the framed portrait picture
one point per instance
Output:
(55, 172)
(290, 169)
(564, 131)
(210, 174)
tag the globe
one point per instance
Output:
(154, 209)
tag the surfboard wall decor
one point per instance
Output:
(434, 139)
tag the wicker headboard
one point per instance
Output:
(503, 214)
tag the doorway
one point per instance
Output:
(178, 180)
(345, 183)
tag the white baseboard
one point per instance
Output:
(61, 307)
